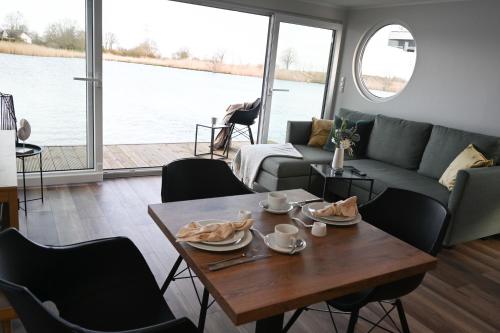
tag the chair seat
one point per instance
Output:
(351, 302)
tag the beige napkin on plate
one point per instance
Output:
(343, 208)
(215, 232)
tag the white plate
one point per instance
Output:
(224, 248)
(269, 240)
(308, 214)
(237, 234)
(263, 204)
(320, 205)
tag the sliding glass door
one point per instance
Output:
(301, 58)
(43, 46)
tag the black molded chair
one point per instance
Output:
(412, 217)
(98, 286)
(246, 119)
(196, 178)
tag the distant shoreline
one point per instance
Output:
(190, 64)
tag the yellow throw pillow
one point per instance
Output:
(320, 130)
(469, 158)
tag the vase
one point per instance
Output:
(338, 161)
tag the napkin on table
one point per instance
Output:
(343, 208)
(194, 232)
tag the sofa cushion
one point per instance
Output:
(354, 115)
(387, 175)
(292, 167)
(364, 128)
(320, 129)
(446, 143)
(398, 141)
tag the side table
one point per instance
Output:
(328, 174)
(35, 150)
(212, 129)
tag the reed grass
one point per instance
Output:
(190, 64)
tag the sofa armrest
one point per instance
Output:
(475, 205)
(298, 132)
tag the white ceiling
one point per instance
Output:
(372, 3)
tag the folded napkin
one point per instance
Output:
(343, 208)
(215, 232)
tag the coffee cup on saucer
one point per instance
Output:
(318, 229)
(285, 235)
(277, 201)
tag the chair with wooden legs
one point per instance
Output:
(415, 219)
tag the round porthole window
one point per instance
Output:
(385, 61)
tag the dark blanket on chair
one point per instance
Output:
(222, 136)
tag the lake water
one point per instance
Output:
(141, 103)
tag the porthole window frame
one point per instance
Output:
(358, 58)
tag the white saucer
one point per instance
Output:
(269, 240)
(308, 214)
(264, 205)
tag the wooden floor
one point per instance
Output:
(118, 156)
(462, 295)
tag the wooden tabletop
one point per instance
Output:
(348, 259)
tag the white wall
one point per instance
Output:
(456, 81)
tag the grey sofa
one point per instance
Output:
(409, 155)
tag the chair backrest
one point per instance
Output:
(23, 280)
(8, 119)
(416, 219)
(195, 178)
(246, 117)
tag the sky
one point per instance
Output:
(173, 25)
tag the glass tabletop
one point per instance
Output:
(327, 171)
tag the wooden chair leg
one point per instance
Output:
(352, 321)
(6, 326)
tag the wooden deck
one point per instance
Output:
(57, 158)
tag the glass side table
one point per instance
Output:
(22, 152)
(326, 171)
(212, 128)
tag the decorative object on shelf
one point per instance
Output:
(7, 113)
(23, 134)
(344, 139)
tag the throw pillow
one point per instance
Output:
(320, 129)
(468, 158)
(364, 130)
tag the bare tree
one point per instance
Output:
(15, 24)
(217, 59)
(288, 57)
(109, 41)
(182, 53)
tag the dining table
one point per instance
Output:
(347, 260)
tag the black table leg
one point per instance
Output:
(309, 183)
(212, 143)
(195, 139)
(270, 325)
(350, 188)
(371, 190)
(325, 184)
(171, 275)
(41, 176)
(24, 190)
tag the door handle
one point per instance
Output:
(285, 90)
(97, 81)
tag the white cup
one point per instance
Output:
(214, 120)
(276, 200)
(244, 215)
(285, 235)
(318, 229)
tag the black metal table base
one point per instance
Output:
(225, 154)
(36, 151)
